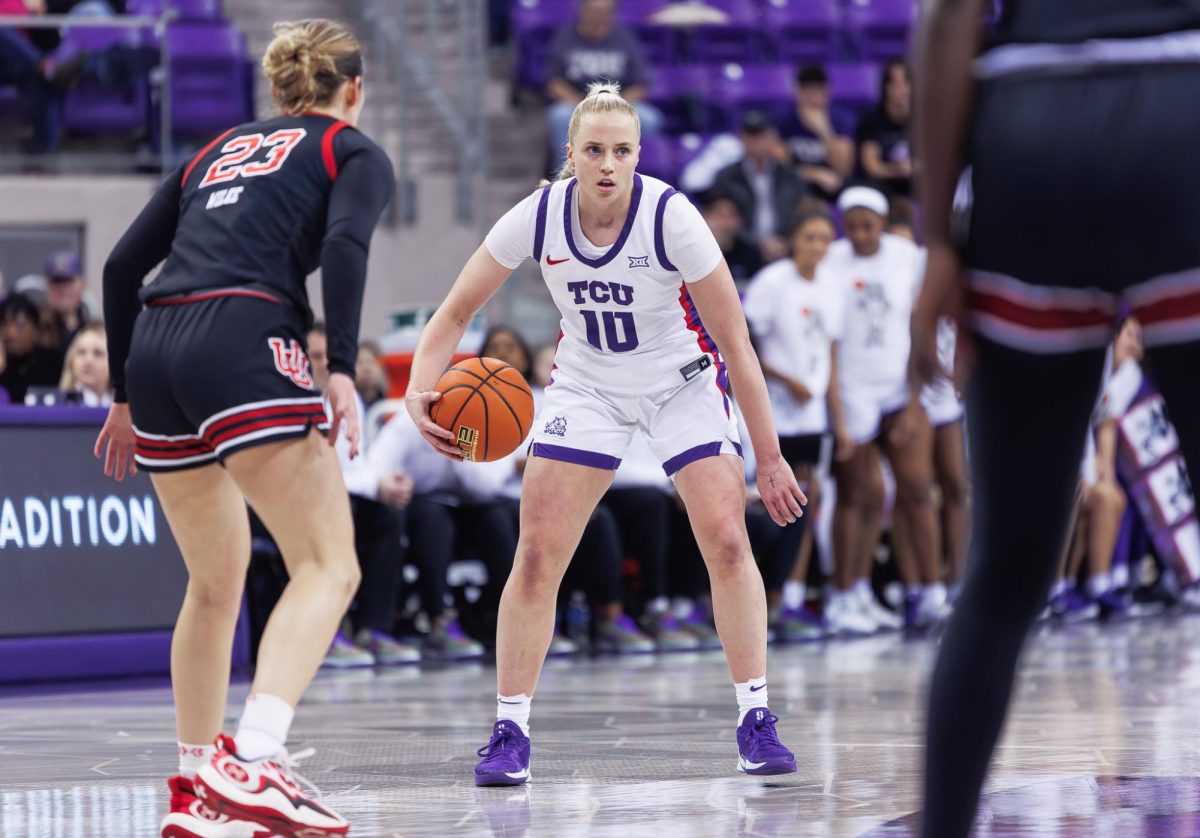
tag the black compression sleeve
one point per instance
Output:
(360, 193)
(146, 243)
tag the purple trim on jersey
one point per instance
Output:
(539, 236)
(699, 452)
(660, 242)
(575, 455)
(612, 252)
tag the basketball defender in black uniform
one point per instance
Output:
(1073, 128)
(215, 398)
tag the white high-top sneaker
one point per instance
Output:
(885, 618)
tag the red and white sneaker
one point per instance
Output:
(265, 792)
(191, 818)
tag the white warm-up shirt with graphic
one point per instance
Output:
(628, 324)
(795, 321)
(880, 291)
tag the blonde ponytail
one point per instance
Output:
(602, 97)
(308, 60)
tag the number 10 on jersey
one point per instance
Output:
(619, 331)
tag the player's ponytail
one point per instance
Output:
(308, 61)
(602, 97)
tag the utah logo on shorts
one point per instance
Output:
(291, 361)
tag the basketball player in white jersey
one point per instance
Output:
(796, 322)
(632, 267)
(881, 275)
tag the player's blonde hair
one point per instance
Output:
(602, 97)
(308, 60)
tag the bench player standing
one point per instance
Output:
(215, 399)
(1078, 124)
(632, 267)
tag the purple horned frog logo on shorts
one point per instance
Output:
(556, 427)
(291, 361)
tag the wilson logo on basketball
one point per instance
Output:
(291, 361)
(235, 772)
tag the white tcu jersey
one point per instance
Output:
(880, 292)
(795, 321)
(628, 324)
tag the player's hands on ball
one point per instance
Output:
(344, 407)
(419, 403)
(781, 494)
(117, 443)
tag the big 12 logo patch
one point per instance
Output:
(291, 361)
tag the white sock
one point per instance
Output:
(751, 694)
(794, 594)
(194, 757)
(658, 605)
(681, 608)
(1099, 584)
(264, 726)
(936, 592)
(515, 709)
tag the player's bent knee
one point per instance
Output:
(217, 595)
(727, 550)
(537, 570)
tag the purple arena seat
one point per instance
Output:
(854, 88)
(687, 148)
(90, 108)
(767, 87)
(683, 93)
(533, 25)
(657, 158)
(208, 80)
(634, 13)
(880, 28)
(738, 39)
(186, 10)
(803, 30)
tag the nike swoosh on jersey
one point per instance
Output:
(550, 261)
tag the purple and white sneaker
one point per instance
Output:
(759, 748)
(505, 759)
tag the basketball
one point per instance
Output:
(487, 405)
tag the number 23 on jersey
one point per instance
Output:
(236, 153)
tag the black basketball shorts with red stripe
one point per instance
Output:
(216, 372)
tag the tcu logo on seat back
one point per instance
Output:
(291, 361)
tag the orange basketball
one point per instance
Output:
(487, 405)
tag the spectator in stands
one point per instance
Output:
(506, 344)
(884, 154)
(377, 505)
(28, 364)
(725, 220)
(543, 366)
(64, 292)
(594, 47)
(85, 371)
(370, 376)
(642, 498)
(22, 64)
(454, 506)
(764, 189)
(823, 157)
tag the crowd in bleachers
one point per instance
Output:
(92, 80)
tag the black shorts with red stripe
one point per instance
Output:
(216, 372)
(1081, 205)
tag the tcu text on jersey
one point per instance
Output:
(291, 361)
(619, 330)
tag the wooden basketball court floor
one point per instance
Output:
(1104, 740)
